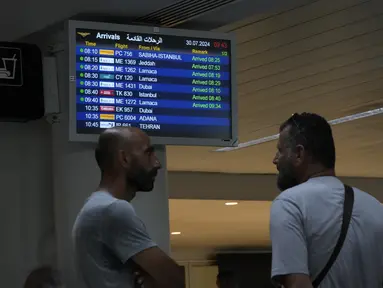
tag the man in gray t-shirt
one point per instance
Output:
(110, 241)
(306, 218)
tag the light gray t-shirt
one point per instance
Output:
(106, 235)
(305, 225)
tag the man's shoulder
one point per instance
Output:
(297, 192)
(302, 198)
(97, 201)
(102, 209)
(105, 204)
(368, 204)
(311, 189)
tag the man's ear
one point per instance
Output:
(124, 158)
(299, 155)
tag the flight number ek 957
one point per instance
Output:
(124, 109)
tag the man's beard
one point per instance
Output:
(286, 179)
(142, 180)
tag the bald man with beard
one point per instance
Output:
(110, 240)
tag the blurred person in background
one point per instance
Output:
(226, 279)
(308, 216)
(43, 277)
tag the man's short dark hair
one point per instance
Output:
(314, 133)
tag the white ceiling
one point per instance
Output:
(38, 14)
(358, 146)
(26, 17)
(324, 57)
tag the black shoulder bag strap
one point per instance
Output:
(347, 212)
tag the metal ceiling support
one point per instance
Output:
(182, 11)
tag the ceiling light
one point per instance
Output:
(231, 203)
(176, 233)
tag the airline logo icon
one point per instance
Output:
(106, 125)
(107, 116)
(107, 92)
(107, 108)
(103, 100)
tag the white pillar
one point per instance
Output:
(76, 176)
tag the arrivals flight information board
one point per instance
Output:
(169, 86)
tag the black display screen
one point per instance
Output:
(169, 86)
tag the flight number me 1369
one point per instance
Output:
(103, 60)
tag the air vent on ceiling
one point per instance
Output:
(182, 11)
